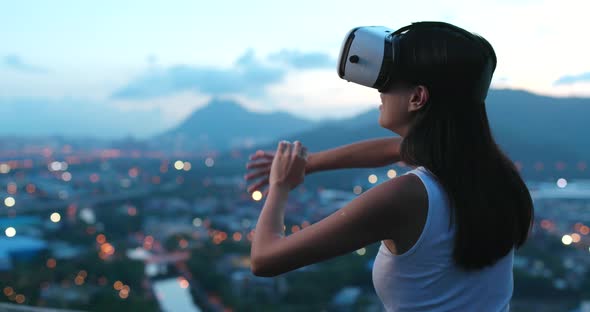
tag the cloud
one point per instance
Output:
(297, 59)
(318, 94)
(172, 109)
(569, 79)
(14, 62)
(248, 76)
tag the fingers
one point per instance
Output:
(257, 185)
(260, 154)
(257, 165)
(259, 173)
(296, 148)
(299, 150)
(284, 148)
(304, 152)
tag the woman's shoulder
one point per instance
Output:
(404, 197)
(409, 205)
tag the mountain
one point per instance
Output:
(529, 128)
(225, 124)
(74, 118)
(345, 131)
(558, 125)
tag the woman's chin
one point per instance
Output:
(382, 122)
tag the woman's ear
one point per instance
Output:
(418, 98)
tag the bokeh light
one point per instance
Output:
(124, 292)
(133, 172)
(31, 188)
(51, 263)
(20, 299)
(79, 280)
(66, 176)
(12, 188)
(576, 237)
(55, 217)
(257, 195)
(391, 173)
(9, 201)
(10, 231)
(357, 189)
(8, 291)
(101, 239)
(183, 283)
(94, 178)
(4, 168)
(373, 179)
(197, 222)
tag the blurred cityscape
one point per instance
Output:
(126, 127)
(129, 225)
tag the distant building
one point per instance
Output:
(205, 206)
(244, 284)
(18, 248)
(29, 225)
(346, 297)
(162, 229)
(169, 205)
(7, 307)
(58, 293)
(64, 250)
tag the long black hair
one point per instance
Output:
(451, 137)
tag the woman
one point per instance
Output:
(449, 227)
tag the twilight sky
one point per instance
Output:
(170, 57)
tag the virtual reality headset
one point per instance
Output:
(369, 55)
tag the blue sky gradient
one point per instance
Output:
(173, 57)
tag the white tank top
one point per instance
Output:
(425, 278)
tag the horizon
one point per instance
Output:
(316, 122)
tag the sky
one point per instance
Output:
(168, 58)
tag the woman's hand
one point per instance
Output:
(263, 170)
(261, 162)
(288, 166)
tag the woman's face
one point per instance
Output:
(398, 105)
(394, 113)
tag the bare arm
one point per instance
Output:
(363, 154)
(375, 215)
(369, 153)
